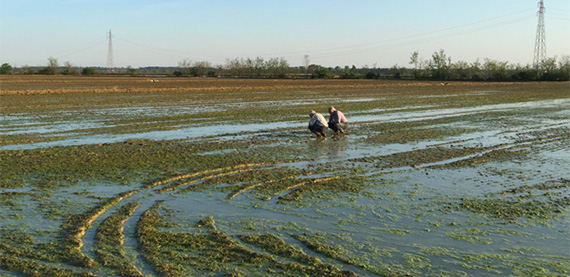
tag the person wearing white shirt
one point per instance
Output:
(318, 124)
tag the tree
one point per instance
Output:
(278, 67)
(397, 72)
(424, 68)
(440, 65)
(201, 68)
(68, 69)
(414, 60)
(185, 66)
(283, 68)
(323, 73)
(235, 67)
(131, 71)
(88, 71)
(522, 72)
(550, 71)
(5, 69)
(564, 65)
(371, 75)
(459, 70)
(549, 64)
(495, 69)
(249, 66)
(27, 70)
(259, 67)
(350, 72)
(475, 70)
(52, 67)
(306, 62)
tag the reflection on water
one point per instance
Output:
(331, 148)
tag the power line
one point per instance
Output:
(558, 18)
(425, 34)
(414, 39)
(359, 48)
(424, 40)
(82, 48)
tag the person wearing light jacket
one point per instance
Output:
(318, 124)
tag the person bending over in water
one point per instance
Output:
(337, 121)
(318, 124)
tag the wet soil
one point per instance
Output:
(466, 179)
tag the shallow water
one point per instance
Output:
(400, 211)
(183, 132)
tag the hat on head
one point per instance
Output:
(332, 108)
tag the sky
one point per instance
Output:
(363, 33)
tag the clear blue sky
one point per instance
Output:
(332, 32)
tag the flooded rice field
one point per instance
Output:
(469, 179)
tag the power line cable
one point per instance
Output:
(82, 48)
(353, 48)
(169, 52)
(424, 40)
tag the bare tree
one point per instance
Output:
(415, 60)
(260, 66)
(565, 67)
(185, 66)
(306, 62)
(68, 69)
(235, 67)
(52, 67)
(201, 68)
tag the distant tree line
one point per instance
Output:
(438, 67)
(441, 67)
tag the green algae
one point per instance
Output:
(515, 209)
(210, 251)
(411, 135)
(473, 235)
(417, 261)
(276, 245)
(109, 240)
(27, 138)
(34, 268)
(394, 231)
(272, 190)
(74, 228)
(492, 156)
(316, 243)
(324, 188)
(20, 252)
(550, 185)
(418, 157)
(121, 162)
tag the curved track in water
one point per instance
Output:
(421, 189)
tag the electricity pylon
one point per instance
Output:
(110, 62)
(540, 42)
